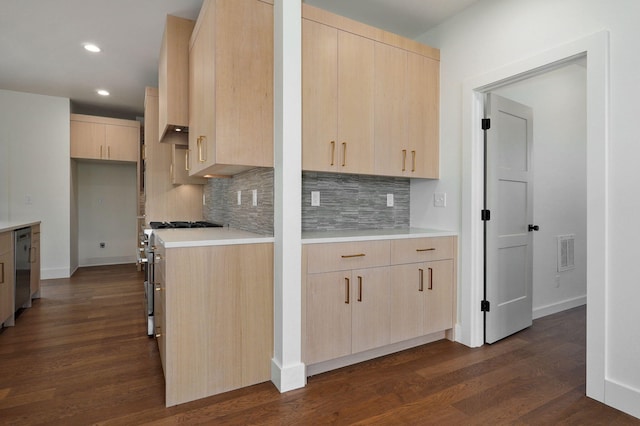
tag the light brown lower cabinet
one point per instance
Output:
(7, 294)
(361, 296)
(347, 312)
(34, 259)
(214, 318)
(421, 299)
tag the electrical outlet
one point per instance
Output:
(239, 197)
(254, 197)
(440, 199)
(389, 200)
(315, 198)
(103, 245)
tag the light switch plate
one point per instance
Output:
(389, 200)
(254, 197)
(239, 197)
(440, 199)
(315, 198)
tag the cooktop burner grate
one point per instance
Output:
(184, 224)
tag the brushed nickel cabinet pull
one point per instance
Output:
(158, 333)
(346, 291)
(359, 289)
(413, 161)
(404, 160)
(430, 278)
(2, 273)
(344, 154)
(186, 160)
(333, 152)
(347, 256)
(421, 285)
(426, 249)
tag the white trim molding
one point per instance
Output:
(596, 48)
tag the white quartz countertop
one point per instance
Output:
(6, 226)
(315, 237)
(199, 237)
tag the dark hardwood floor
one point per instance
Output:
(80, 356)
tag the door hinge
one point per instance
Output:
(485, 306)
(486, 123)
(486, 215)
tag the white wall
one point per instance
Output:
(106, 200)
(558, 100)
(494, 33)
(34, 163)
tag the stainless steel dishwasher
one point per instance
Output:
(23, 267)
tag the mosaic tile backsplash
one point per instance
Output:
(221, 201)
(346, 201)
(354, 202)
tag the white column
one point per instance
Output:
(287, 369)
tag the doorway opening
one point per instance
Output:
(470, 328)
(537, 165)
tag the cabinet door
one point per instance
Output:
(439, 296)
(121, 143)
(202, 92)
(370, 308)
(35, 261)
(244, 84)
(407, 302)
(355, 103)
(329, 300)
(6, 276)
(423, 88)
(180, 161)
(319, 97)
(87, 140)
(392, 156)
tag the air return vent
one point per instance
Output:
(566, 252)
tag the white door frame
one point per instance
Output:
(470, 329)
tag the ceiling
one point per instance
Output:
(41, 43)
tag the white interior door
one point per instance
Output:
(509, 198)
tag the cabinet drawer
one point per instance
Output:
(5, 242)
(345, 256)
(413, 250)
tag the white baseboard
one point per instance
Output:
(54, 273)
(563, 305)
(105, 261)
(289, 378)
(622, 397)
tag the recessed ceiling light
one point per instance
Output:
(92, 47)
(102, 92)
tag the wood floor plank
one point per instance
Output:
(81, 356)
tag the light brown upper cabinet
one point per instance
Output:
(406, 113)
(103, 138)
(231, 88)
(337, 101)
(180, 160)
(173, 79)
(370, 99)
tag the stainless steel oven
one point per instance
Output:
(147, 260)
